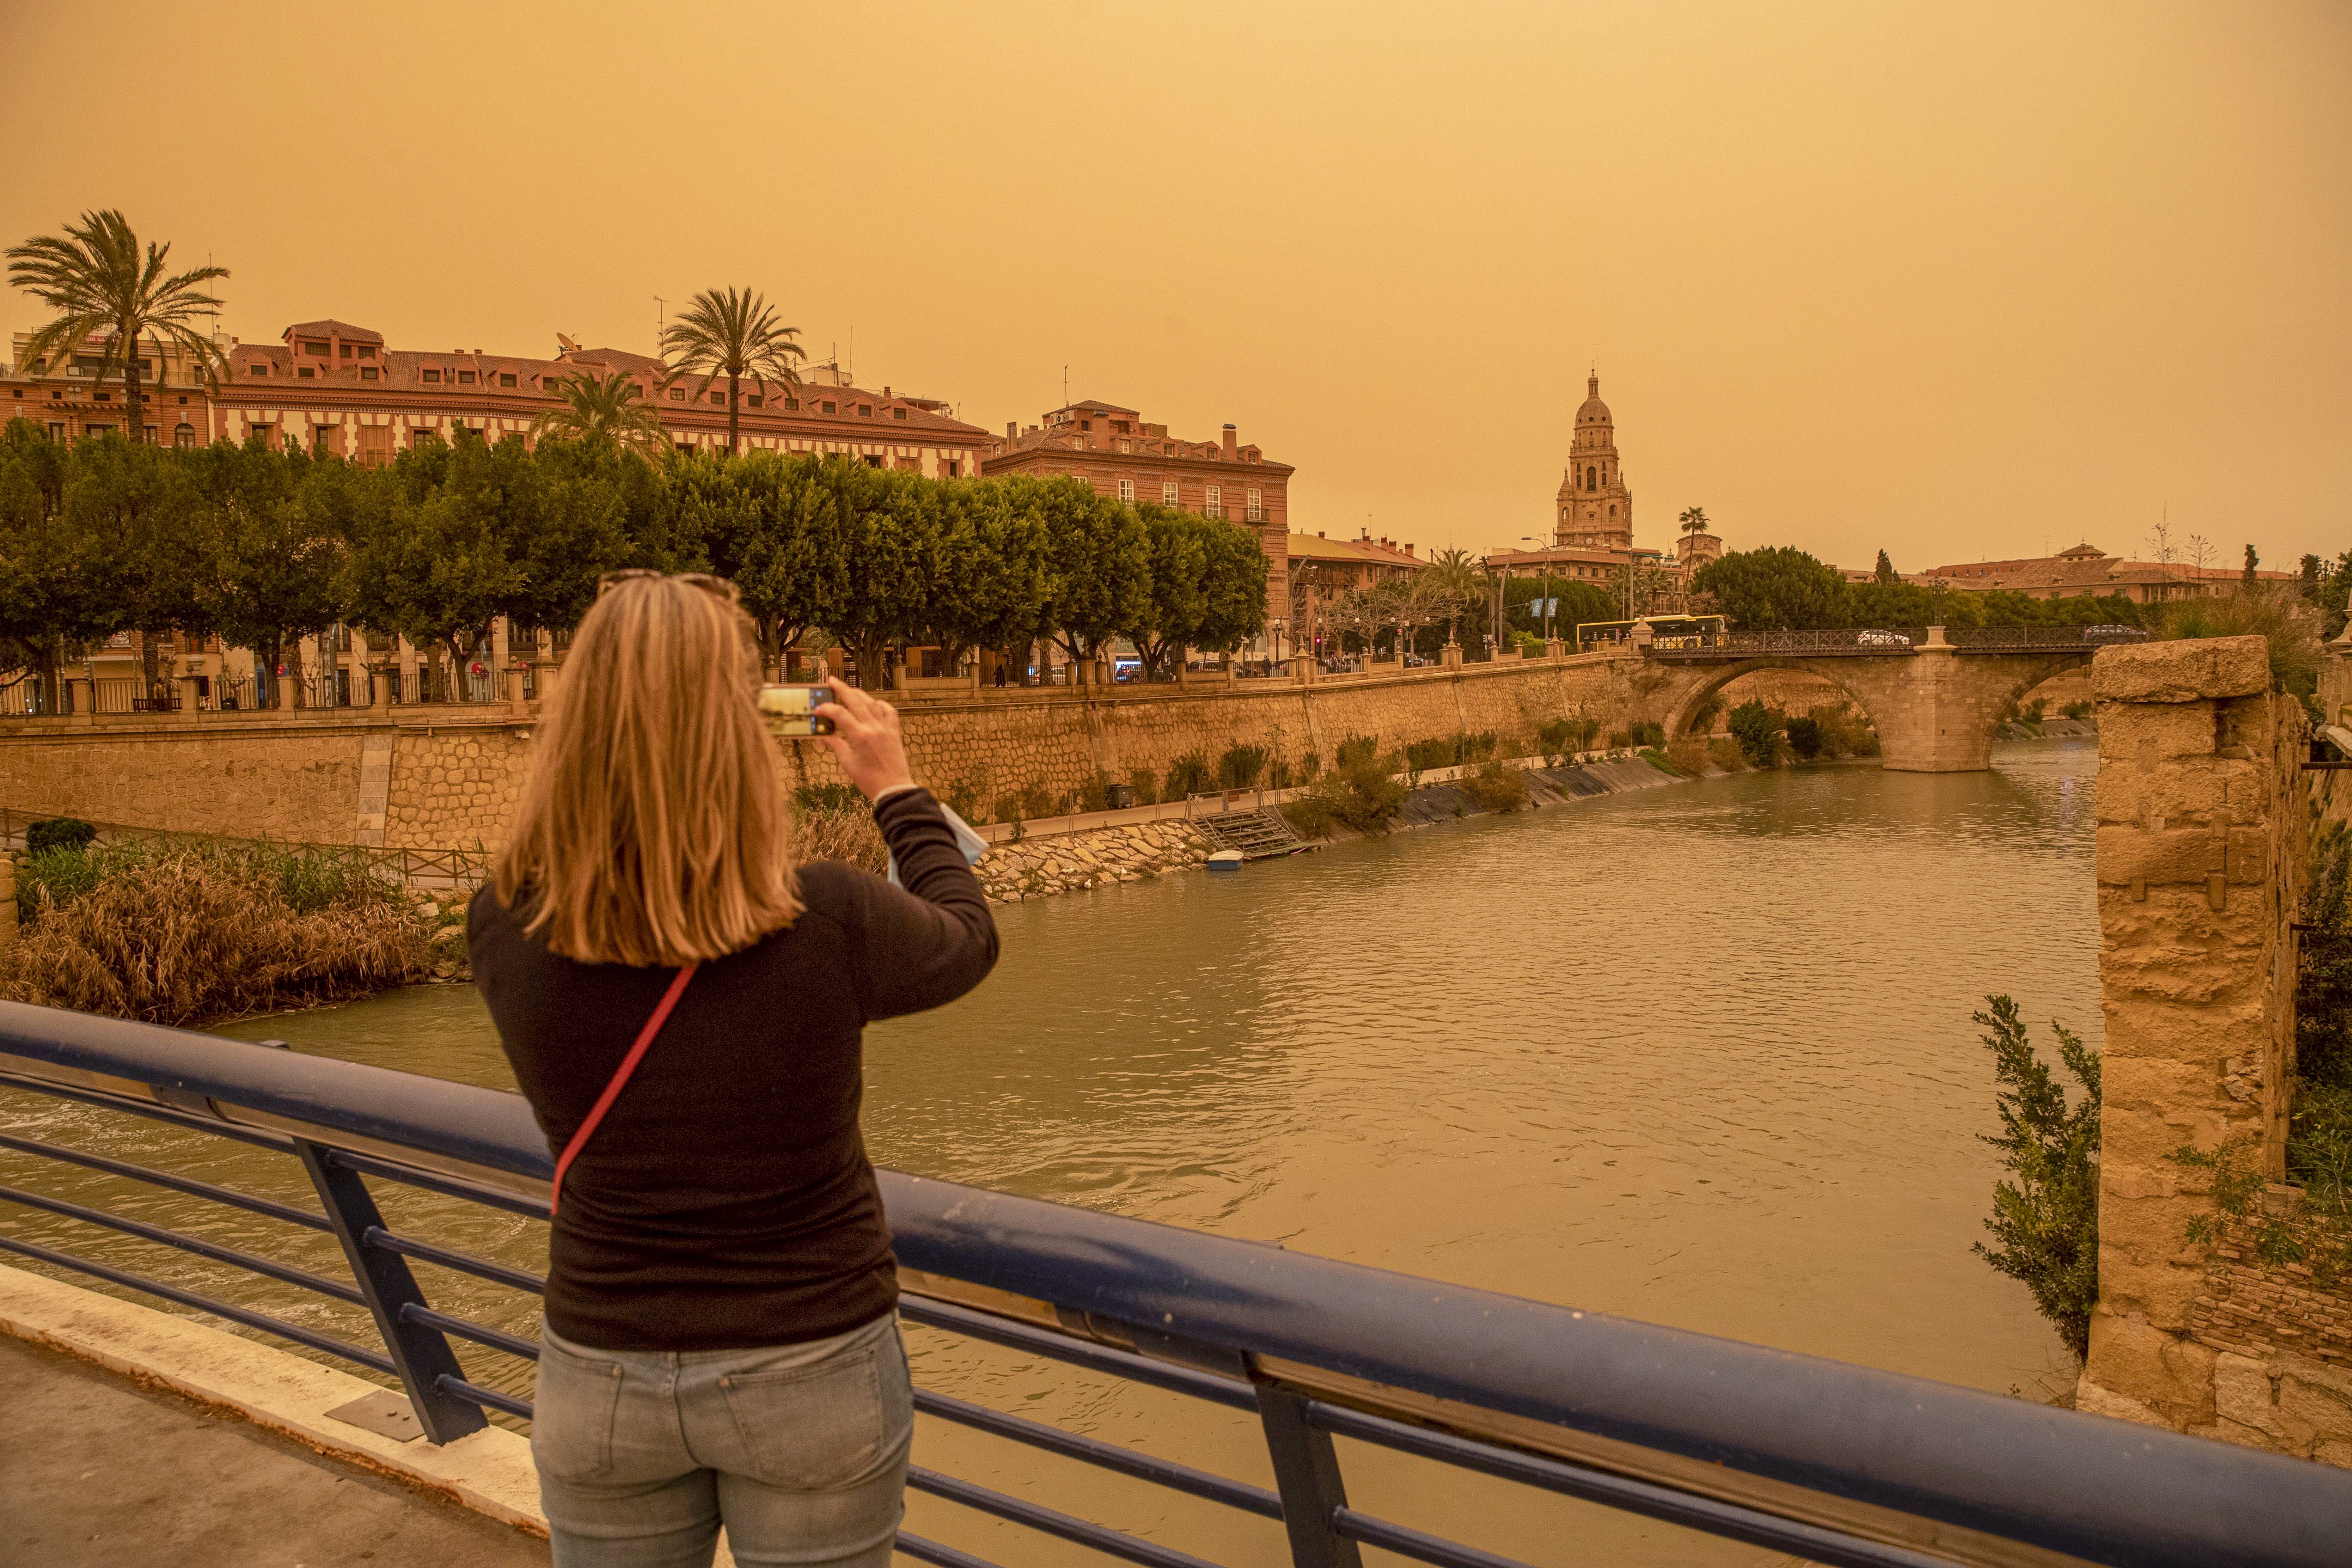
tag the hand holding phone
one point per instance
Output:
(864, 740)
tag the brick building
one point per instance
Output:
(63, 397)
(1113, 449)
(2086, 569)
(342, 389)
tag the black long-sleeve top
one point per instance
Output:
(726, 1201)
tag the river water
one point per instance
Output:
(1700, 1055)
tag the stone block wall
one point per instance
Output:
(441, 778)
(2203, 827)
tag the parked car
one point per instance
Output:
(1881, 638)
(2114, 634)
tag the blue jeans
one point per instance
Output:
(801, 1450)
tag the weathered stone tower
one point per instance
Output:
(1594, 510)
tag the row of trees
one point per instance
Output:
(1782, 589)
(262, 547)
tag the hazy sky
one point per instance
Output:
(1956, 280)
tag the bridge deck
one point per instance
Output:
(99, 1471)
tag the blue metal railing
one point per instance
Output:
(1836, 1464)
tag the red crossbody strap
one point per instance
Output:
(613, 1089)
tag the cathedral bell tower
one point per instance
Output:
(1594, 510)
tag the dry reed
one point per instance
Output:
(838, 832)
(196, 935)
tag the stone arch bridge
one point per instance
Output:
(1934, 693)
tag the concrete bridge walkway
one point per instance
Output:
(97, 1471)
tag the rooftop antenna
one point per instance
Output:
(661, 323)
(1066, 386)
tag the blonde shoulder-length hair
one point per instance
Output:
(654, 827)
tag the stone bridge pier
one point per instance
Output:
(1934, 707)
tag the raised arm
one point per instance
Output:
(933, 939)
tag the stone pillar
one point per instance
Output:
(2200, 846)
(7, 900)
(1943, 723)
(515, 698)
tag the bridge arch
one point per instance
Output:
(1935, 710)
(1715, 678)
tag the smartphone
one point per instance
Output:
(792, 710)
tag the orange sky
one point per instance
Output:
(1959, 280)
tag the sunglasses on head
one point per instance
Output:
(720, 586)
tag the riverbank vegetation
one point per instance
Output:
(2045, 1213)
(188, 933)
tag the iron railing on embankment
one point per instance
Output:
(1835, 1464)
(422, 867)
(1885, 642)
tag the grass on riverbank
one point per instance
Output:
(193, 933)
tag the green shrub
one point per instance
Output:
(1188, 774)
(1032, 800)
(1664, 762)
(1095, 793)
(1496, 787)
(1310, 767)
(1556, 737)
(1804, 739)
(1725, 753)
(1845, 732)
(2032, 711)
(2046, 1221)
(2323, 991)
(1703, 717)
(1361, 795)
(2079, 709)
(963, 799)
(828, 797)
(1240, 766)
(1423, 755)
(1475, 748)
(1144, 783)
(1758, 729)
(1357, 749)
(58, 833)
(1646, 733)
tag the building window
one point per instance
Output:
(865, 411)
(828, 407)
(718, 397)
(1215, 505)
(57, 430)
(464, 378)
(754, 400)
(1126, 488)
(433, 377)
(872, 461)
(1121, 445)
(323, 439)
(184, 434)
(1168, 493)
(676, 394)
(367, 373)
(792, 406)
(367, 351)
(898, 414)
(955, 470)
(306, 373)
(97, 429)
(506, 378)
(316, 350)
(346, 351)
(1255, 502)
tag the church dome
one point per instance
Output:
(1592, 411)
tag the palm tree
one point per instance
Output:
(1695, 519)
(607, 408)
(96, 277)
(734, 333)
(1453, 571)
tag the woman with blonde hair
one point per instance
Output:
(684, 1009)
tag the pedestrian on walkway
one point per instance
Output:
(684, 1008)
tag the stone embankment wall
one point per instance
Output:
(450, 777)
(2203, 827)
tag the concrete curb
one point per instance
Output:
(488, 1472)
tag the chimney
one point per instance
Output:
(1318, 532)
(1231, 442)
(1408, 549)
(1012, 430)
